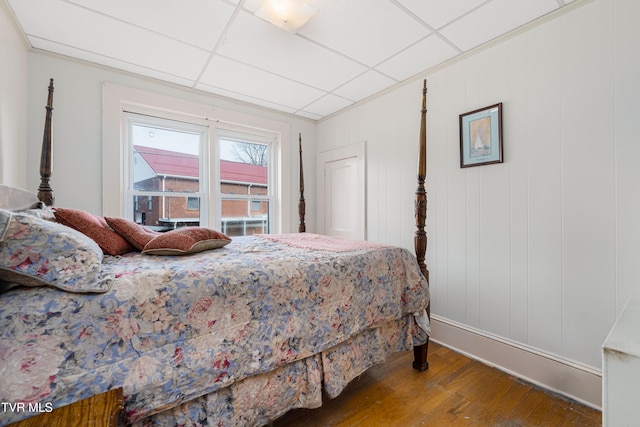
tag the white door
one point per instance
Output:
(341, 192)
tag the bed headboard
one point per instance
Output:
(45, 192)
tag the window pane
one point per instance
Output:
(244, 174)
(193, 203)
(240, 219)
(243, 167)
(165, 159)
(163, 213)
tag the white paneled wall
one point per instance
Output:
(542, 249)
(13, 104)
(627, 150)
(588, 176)
(542, 140)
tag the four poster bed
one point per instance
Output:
(236, 334)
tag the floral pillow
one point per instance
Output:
(96, 228)
(35, 252)
(136, 234)
(186, 240)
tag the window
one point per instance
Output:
(193, 203)
(165, 168)
(158, 111)
(169, 165)
(244, 184)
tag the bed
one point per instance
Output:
(237, 334)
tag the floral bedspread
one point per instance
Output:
(172, 329)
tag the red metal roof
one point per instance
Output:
(165, 162)
(242, 172)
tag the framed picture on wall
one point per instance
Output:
(481, 136)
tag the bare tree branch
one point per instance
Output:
(246, 152)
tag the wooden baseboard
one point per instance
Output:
(571, 379)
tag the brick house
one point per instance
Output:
(169, 171)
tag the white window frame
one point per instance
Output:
(237, 133)
(118, 99)
(129, 118)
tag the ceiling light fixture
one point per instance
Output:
(287, 14)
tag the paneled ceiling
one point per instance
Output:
(348, 51)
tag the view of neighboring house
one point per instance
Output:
(167, 171)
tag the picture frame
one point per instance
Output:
(481, 136)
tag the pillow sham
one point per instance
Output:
(96, 228)
(14, 198)
(186, 240)
(36, 252)
(134, 233)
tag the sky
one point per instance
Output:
(179, 141)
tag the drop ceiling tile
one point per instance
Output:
(308, 115)
(327, 105)
(252, 5)
(245, 98)
(71, 52)
(99, 35)
(335, 53)
(242, 79)
(364, 86)
(261, 44)
(197, 22)
(418, 58)
(368, 30)
(493, 19)
(440, 12)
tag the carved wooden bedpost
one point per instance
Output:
(301, 203)
(45, 192)
(420, 240)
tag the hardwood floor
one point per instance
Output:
(455, 391)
